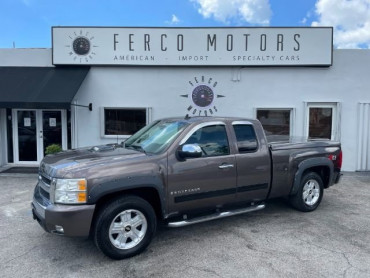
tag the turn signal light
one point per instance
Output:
(82, 185)
(82, 197)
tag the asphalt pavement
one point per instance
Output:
(333, 241)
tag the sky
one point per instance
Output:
(27, 23)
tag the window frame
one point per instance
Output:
(148, 111)
(292, 113)
(335, 125)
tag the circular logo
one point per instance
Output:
(202, 96)
(81, 46)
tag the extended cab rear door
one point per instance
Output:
(252, 161)
(207, 181)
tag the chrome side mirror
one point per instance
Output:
(189, 150)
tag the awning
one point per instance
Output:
(40, 87)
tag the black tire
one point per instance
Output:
(312, 201)
(127, 207)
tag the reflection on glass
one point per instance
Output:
(274, 122)
(124, 121)
(52, 128)
(27, 145)
(320, 122)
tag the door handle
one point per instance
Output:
(224, 166)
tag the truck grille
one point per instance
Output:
(44, 193)
(45, 180)
(44, 186)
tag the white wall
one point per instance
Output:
(25, 57)
(245, 89)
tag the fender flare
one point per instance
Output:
(307, 164)
(129, 183)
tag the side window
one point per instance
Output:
(212, 140)
(246, 138)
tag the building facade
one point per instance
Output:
(330, 102)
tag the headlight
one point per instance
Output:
(70, 191)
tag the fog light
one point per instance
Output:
(59, 229)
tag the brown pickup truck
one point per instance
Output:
(180, 172)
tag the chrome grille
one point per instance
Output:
(46, 180)
(44, 186)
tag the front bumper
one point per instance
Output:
(75, 219)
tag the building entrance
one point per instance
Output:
(34, 130)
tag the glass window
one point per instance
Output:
(156, 137)
(246, 138)
(320, 122)
(122, 121)
(212, 140)
(274, 122)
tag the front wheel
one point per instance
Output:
(125, 227)
(309, 194)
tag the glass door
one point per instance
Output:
(26, 134)
(51, 128)
(34, 130)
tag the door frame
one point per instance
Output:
(39, 133)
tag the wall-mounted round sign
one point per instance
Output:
(202, 97)
(81, 46)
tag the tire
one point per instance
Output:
(310, 193)
(124, 227)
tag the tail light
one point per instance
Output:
(337, 159)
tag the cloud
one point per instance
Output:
(174, 20)
(251, 11)
(350, 19)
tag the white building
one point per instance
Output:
(330, 101)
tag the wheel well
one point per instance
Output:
(147, 193)
(322, 171)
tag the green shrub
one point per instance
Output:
(53, 148)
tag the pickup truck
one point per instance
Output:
(177, 171)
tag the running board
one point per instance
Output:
(214, 216)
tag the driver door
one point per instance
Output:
(205, 182)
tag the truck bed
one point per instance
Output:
(287, 153)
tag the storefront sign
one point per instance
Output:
(262, 46)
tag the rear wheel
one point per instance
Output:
(125, 227)
(309, 194)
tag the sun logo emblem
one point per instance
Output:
(81, 47)
(202, 97)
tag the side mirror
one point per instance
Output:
(247, 146)
(189, 150)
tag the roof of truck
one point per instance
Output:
(207, 119)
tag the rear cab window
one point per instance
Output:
(245, 137)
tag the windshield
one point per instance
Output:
(156, 137)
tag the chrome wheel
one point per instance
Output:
(311, 192)
(128, 229)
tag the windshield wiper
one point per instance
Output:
(136, 147)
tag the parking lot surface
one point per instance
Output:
(333, 241)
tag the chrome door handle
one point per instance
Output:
(224, 166)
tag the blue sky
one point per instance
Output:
(28, 23)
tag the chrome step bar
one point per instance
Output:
(214, 216)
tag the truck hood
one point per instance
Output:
(58, 165)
